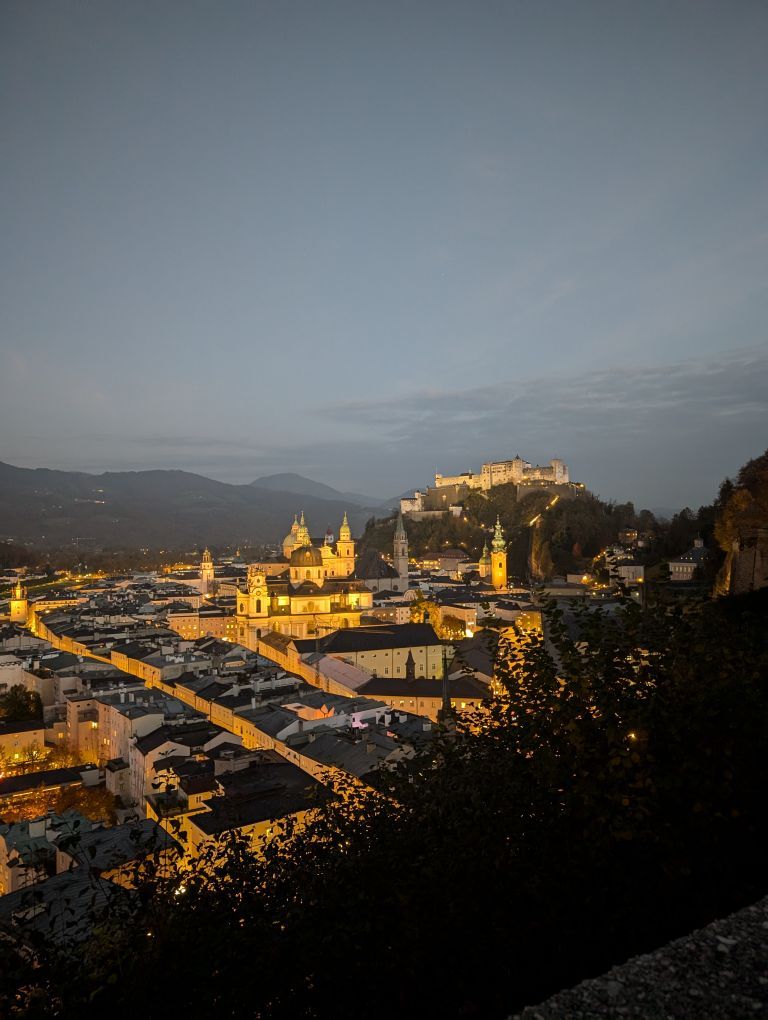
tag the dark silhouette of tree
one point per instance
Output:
(20, 705)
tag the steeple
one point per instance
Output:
(400, 527)
(302, 534)
(498, 558)
(400, 550)
(289, 542)
(19, 604)
(345, 550)
(498, 544)
(345, 532)
(484, 564)
(207, 572)
(445, 713)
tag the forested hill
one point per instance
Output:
(152, 508)
(564, 537)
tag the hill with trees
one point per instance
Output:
(176, 509)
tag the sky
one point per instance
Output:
(368, 241)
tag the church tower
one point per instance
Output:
(289, 542)
(401, 554)
(345, 549)
(484, 563)
(257, 600)
(498, 558)
(206, 573)
(302, 534)
(19, 604)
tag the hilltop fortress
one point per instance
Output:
(502, 472)
(450, 491)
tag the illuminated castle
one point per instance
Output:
(501, 472)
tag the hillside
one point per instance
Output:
(552, 539)
(152, 508)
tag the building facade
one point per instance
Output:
(319, 594)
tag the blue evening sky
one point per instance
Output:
(368, 240)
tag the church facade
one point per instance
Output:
(315, 589)
(317, 594)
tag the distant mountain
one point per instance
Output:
(154, 508)
(290, 482)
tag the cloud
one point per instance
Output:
(658, 435)
(628, 430)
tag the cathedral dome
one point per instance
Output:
(307, 556)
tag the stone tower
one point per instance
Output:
(400, 559)
(498, 558)
(345, 549)
(206, 573)
(19, 604)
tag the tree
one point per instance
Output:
(20, 705)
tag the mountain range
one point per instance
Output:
(290, 482)
(174, 509)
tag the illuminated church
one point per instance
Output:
(317, 594)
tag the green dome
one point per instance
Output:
(307, 556)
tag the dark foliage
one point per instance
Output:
(20, 705)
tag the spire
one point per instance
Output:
(410, 666)
(302, 533)
(445, 712)
(345, 532)
(498, 544)
(486, 557)
(295, 525)
(400, 527)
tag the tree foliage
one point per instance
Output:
(20, 705)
